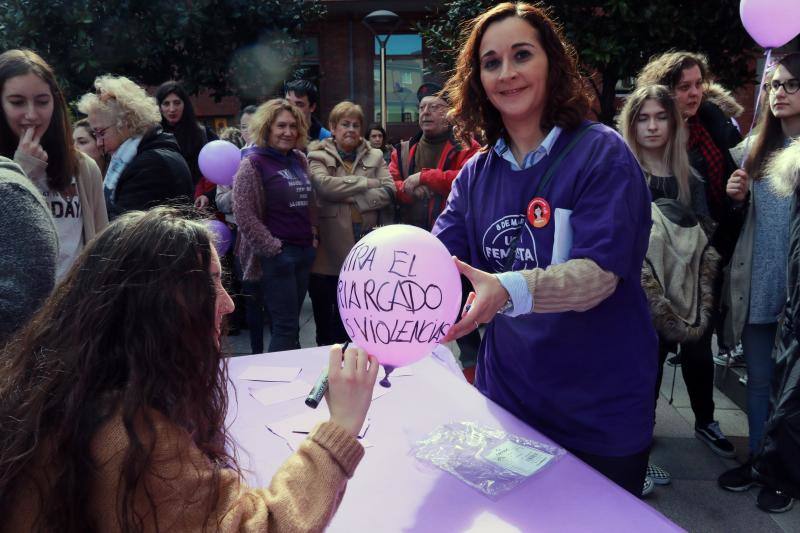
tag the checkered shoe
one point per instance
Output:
(658, 475)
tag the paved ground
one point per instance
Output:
(693, 500)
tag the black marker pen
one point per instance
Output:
(321, 385)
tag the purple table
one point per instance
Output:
(392, 491)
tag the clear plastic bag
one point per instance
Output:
(488, 459)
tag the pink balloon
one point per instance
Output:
(222, 236)
(218, 161)
(771, 23)
(398, 293)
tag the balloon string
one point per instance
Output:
(757, 107)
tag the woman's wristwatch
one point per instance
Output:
(508, 306)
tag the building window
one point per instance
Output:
(403, 78)
(307, 67)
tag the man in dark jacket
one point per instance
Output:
(304, 95)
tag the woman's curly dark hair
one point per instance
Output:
(129, 331)
(473, 113)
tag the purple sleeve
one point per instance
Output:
(451, 227)
(611, 216)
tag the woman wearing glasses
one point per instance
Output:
(758, 275)
(35, 132)
(146, 167)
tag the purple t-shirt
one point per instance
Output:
(287, 191)
(586, 379)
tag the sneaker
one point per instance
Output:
(734, 359)
(658, 475)
(715, 439)
(648, 486)
(738, 479)
(774, 501)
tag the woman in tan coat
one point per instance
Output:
(352, 185)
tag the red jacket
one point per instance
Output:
(438, 180)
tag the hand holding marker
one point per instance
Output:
(350, 378)
(321, 385)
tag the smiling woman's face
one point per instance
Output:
(27, 104)
(514, 69)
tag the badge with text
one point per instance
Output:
(538, 212)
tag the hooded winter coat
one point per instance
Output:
(157, 175)
(776, 463)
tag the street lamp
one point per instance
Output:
(382, 22)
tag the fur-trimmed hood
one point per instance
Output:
(723, 99)
(783, 169)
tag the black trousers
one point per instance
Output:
(322, 291)
(627, 471)
(697, 367)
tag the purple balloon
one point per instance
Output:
(218, 161)
(771, 23)
(222, 236)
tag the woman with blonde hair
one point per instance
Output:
(35, 132)
(352, 184)
(146, 167)
(651, 124)
(272, 202)
(680, 298)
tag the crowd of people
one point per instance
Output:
(593, 253)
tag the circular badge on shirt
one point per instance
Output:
(538, 212)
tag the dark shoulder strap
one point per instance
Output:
(542, 187)
(561, 156)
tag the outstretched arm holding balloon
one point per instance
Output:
(577, 285)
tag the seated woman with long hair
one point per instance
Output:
(113, 400)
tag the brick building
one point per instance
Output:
(342, 56)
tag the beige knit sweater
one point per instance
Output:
(303, 495)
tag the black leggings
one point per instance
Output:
(697, 367)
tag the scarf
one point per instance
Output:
(700, 139)
(121, 159)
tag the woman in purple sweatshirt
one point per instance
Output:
(272, 204)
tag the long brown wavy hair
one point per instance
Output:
(62, 159)
(472, 112)
(129, 331)
(768, 136)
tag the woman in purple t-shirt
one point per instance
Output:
(569, 347)
(272, 204)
